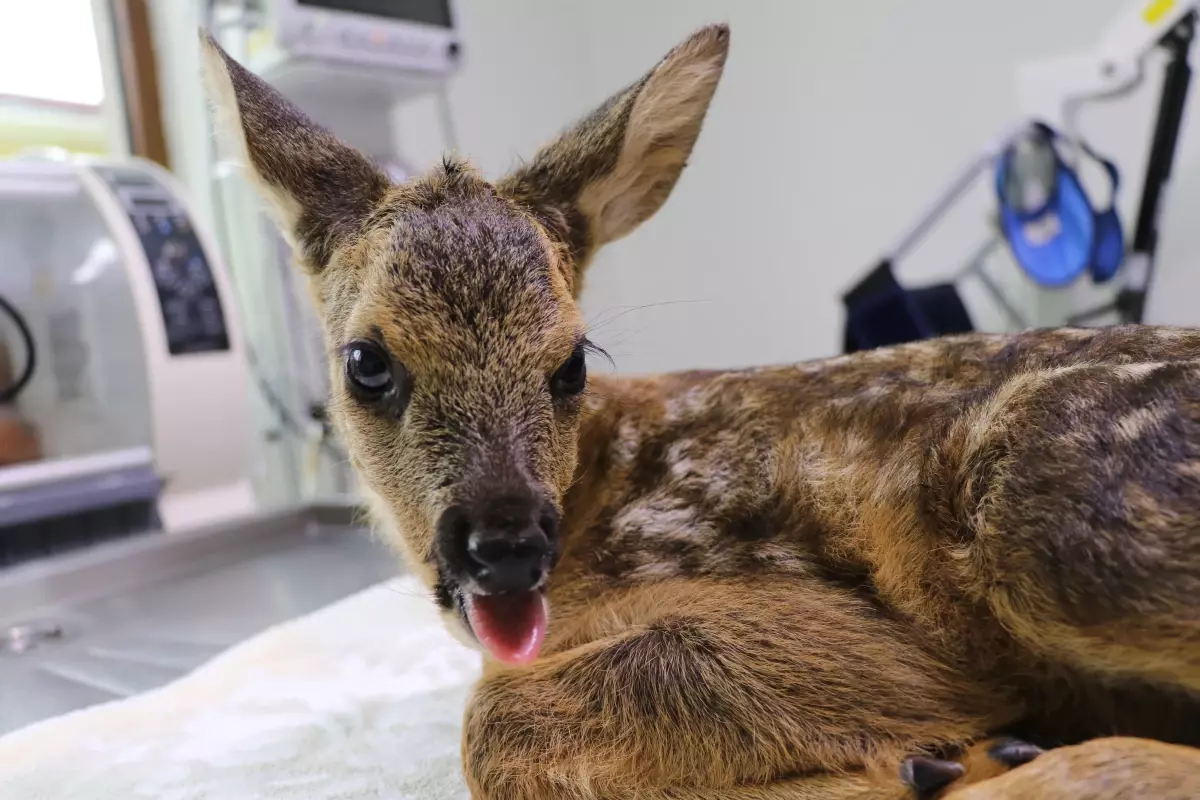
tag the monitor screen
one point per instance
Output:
(430, 12)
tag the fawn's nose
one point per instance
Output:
(507, 544)
(502, 562)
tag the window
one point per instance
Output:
(48, 52)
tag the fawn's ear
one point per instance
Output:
(319, 189)
(610, 172)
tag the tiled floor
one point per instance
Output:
(127, 644)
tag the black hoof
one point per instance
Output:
(1014, 752)
(928, 776)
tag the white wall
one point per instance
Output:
(526, 74)
(834, 126)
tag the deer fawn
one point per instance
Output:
(839, 579)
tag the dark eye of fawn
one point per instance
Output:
(571, 377)
(368, 370)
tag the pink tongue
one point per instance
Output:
(510, 626)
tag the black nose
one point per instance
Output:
(505, 545)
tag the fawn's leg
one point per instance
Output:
(1075, 493)
(693, 688)
(919, 778)
(1102, 769)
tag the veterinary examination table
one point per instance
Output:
(362, 698)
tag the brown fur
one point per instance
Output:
(774, 583)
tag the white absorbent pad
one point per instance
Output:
(363, 699)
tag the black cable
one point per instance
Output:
(10, 393)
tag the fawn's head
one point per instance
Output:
(458, 351)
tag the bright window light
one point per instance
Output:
(48, 51)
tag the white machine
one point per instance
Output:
(139, 392)
(355, 67)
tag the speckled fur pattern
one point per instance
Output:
(776, 582)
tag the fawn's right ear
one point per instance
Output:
(319, 189)
(610, 172)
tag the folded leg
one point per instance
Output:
(1101, 769)
(703, 686)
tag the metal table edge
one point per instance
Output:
(36, 587)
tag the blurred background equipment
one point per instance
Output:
(1144, 36)
(1056, 197)
(131, 390)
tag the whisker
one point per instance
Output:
(600, 324)
(406, 592)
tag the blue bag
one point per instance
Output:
(1050, 223)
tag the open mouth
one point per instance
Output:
(511, 626)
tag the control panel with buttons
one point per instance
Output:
(187, 296)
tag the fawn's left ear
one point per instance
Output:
(610, 172)
(320, 190)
